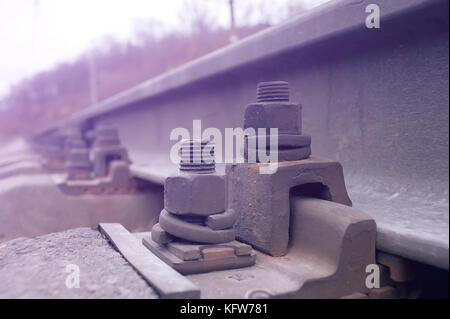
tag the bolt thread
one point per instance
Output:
(78, 164)
(275, 91)
(106, 135)
(78, 153)
(197, 156)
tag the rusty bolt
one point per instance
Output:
(273, 109)
(78, 165)
(195, 201)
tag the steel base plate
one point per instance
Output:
(190, 258)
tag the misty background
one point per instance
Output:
(60, 56)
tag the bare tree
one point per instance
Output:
(295, 7)
(197, 17)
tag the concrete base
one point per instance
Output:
(19, 168)
(40, 268)
(33, 205)
(331, 246)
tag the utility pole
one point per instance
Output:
(93, 90)
(233, 35)
(34, 26)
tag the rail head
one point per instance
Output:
(321, 23)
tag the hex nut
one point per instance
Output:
(198, 194)
(287, 117)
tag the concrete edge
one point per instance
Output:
(165, 280)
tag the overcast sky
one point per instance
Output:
(37, 34)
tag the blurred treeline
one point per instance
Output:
(113, 66)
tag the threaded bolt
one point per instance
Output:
(106, 135)
(197, 156)
(78, 164)
(274, 91)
